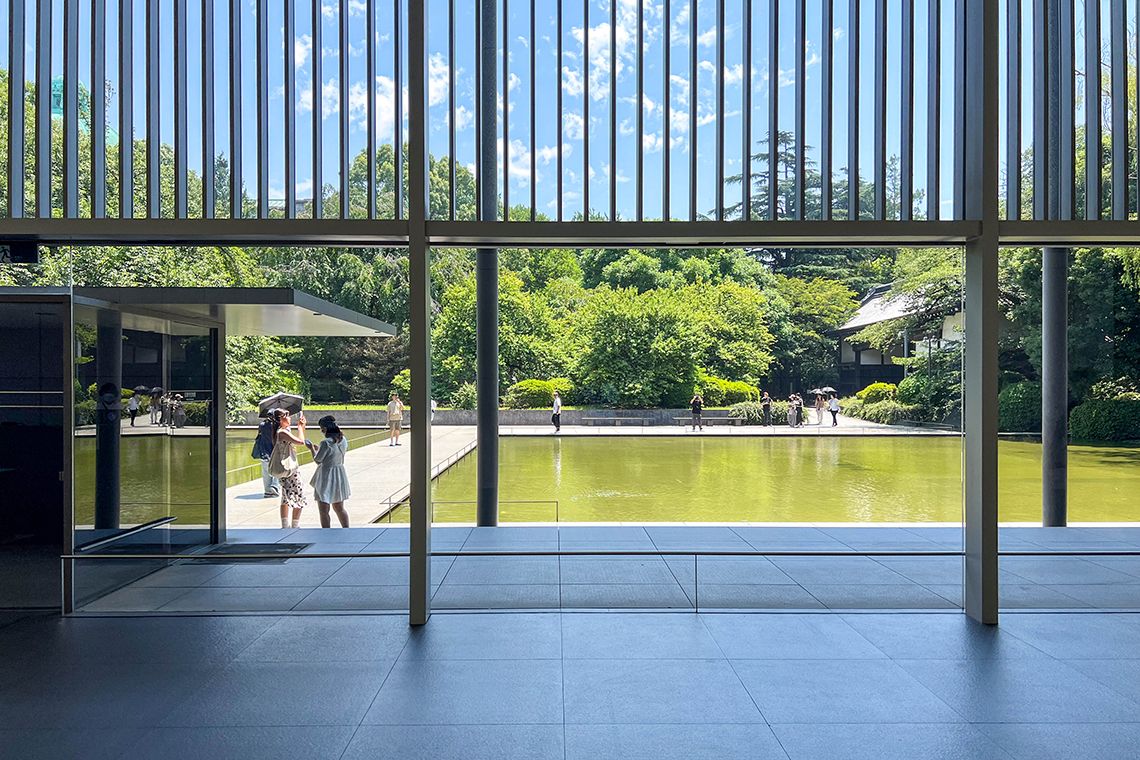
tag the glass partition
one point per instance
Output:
(142, 451)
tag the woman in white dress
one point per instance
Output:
(330, 481)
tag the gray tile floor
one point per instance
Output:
(642, 582)
(572, 685)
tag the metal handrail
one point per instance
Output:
(612, 553)
(121, 535)
(392, 502)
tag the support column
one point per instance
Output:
(979, 425)
(419, 318)
(980, 353)
(487, 280)
(217, 421)
(108, 418)
(1054, 386)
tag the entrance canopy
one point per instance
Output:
(278, 312)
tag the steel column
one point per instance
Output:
(1094, 159)
(342, 112)
(1013, 110)
(774, 108)
(43, 108)
(370, 104)
(126, 110)
(217, 412)
(419, 338)
(746, 112)
(1054, 386)
(827, 79)
(262, 46)
(398, 84)
(906, 119)
(639, 130)
(153, 112)
(209, 188)
(980, 357)
(613, 108)
(71, 108)
(880, 121)
(180, 110)
(719, 214)
(667, 111)
(853, 109)
(290, 97)
(318, 113)
(560, 126)
(1119, 84)
(692, 110)
(801, 106)
(487, 281)
(933, 108)
(236, 210)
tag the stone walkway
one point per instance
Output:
(377, 472)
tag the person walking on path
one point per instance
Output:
(833, 407)
(133, 408)
(330, 481)
(283, 466)
(155, 408)
(766, 407)
(697, 405)
(262, 450)
(556, 413)
(820, 405)
(395, 419)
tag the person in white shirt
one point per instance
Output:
(556, 413)
(395, 418)
(133, 408)
(833, 407)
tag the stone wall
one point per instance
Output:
(379, 417)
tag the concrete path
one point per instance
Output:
(377, 472)
(848, 426)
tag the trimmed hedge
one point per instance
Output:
(889, 412)
(717, 391)
(876, 392)
(536, 394)
(1019, 408)
(1101, 420)
(753, 413)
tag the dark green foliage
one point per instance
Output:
(1101, 420)
(876, 392)
(536, 394)
(719, 392)
(464, 397)
(752, 412)
(1019, 408)
(886, 412)
(197, 413)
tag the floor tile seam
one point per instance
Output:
(383, 681)
(739, 680)
(160, 608)
(1069, 664)
(562, 667)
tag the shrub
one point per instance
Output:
(536, 394)
(753, 413)
(464, 397)
(197, 412)
(1101, 420)
(888, 412)
(1114, 388)
(719, 392)
(402, 384)
(876, 392)
(84, 412)
(1019, 408)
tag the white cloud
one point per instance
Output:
(302, 47)
(464, 117)
(707, 38)
(652, 142)
(571, 81)
(572, 126)
(438, 81)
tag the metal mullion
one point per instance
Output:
(71, 108)
(853, 110)
(692, 110)
(507, 110)
(613, 110)
(43, 108)
(827, 77)
(639, 127)
(318, 115)
(746, 113)
(180, 118)
(263, 109)
(451, 109)
(667, 111)
(880, 125)
(1013, 110)
(774, 107)
(209, 194)
(1043, 147)
(342, 115)
(960, 64)
(933, 107)
(720, 111)
(585, 111)
(801, 98)
(153, 113)
(1119, 84)
(290, 95)
(1066, 146)
(98, 109)
(906, 117)
(235, 108)
(1093, 158)
(533, 138)
(477, 68)
(126, 110)
(16, 77)
(559, 125)
(370, 100)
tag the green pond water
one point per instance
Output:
(777, 479)
(164, 476)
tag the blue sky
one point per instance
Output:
(543, 145)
